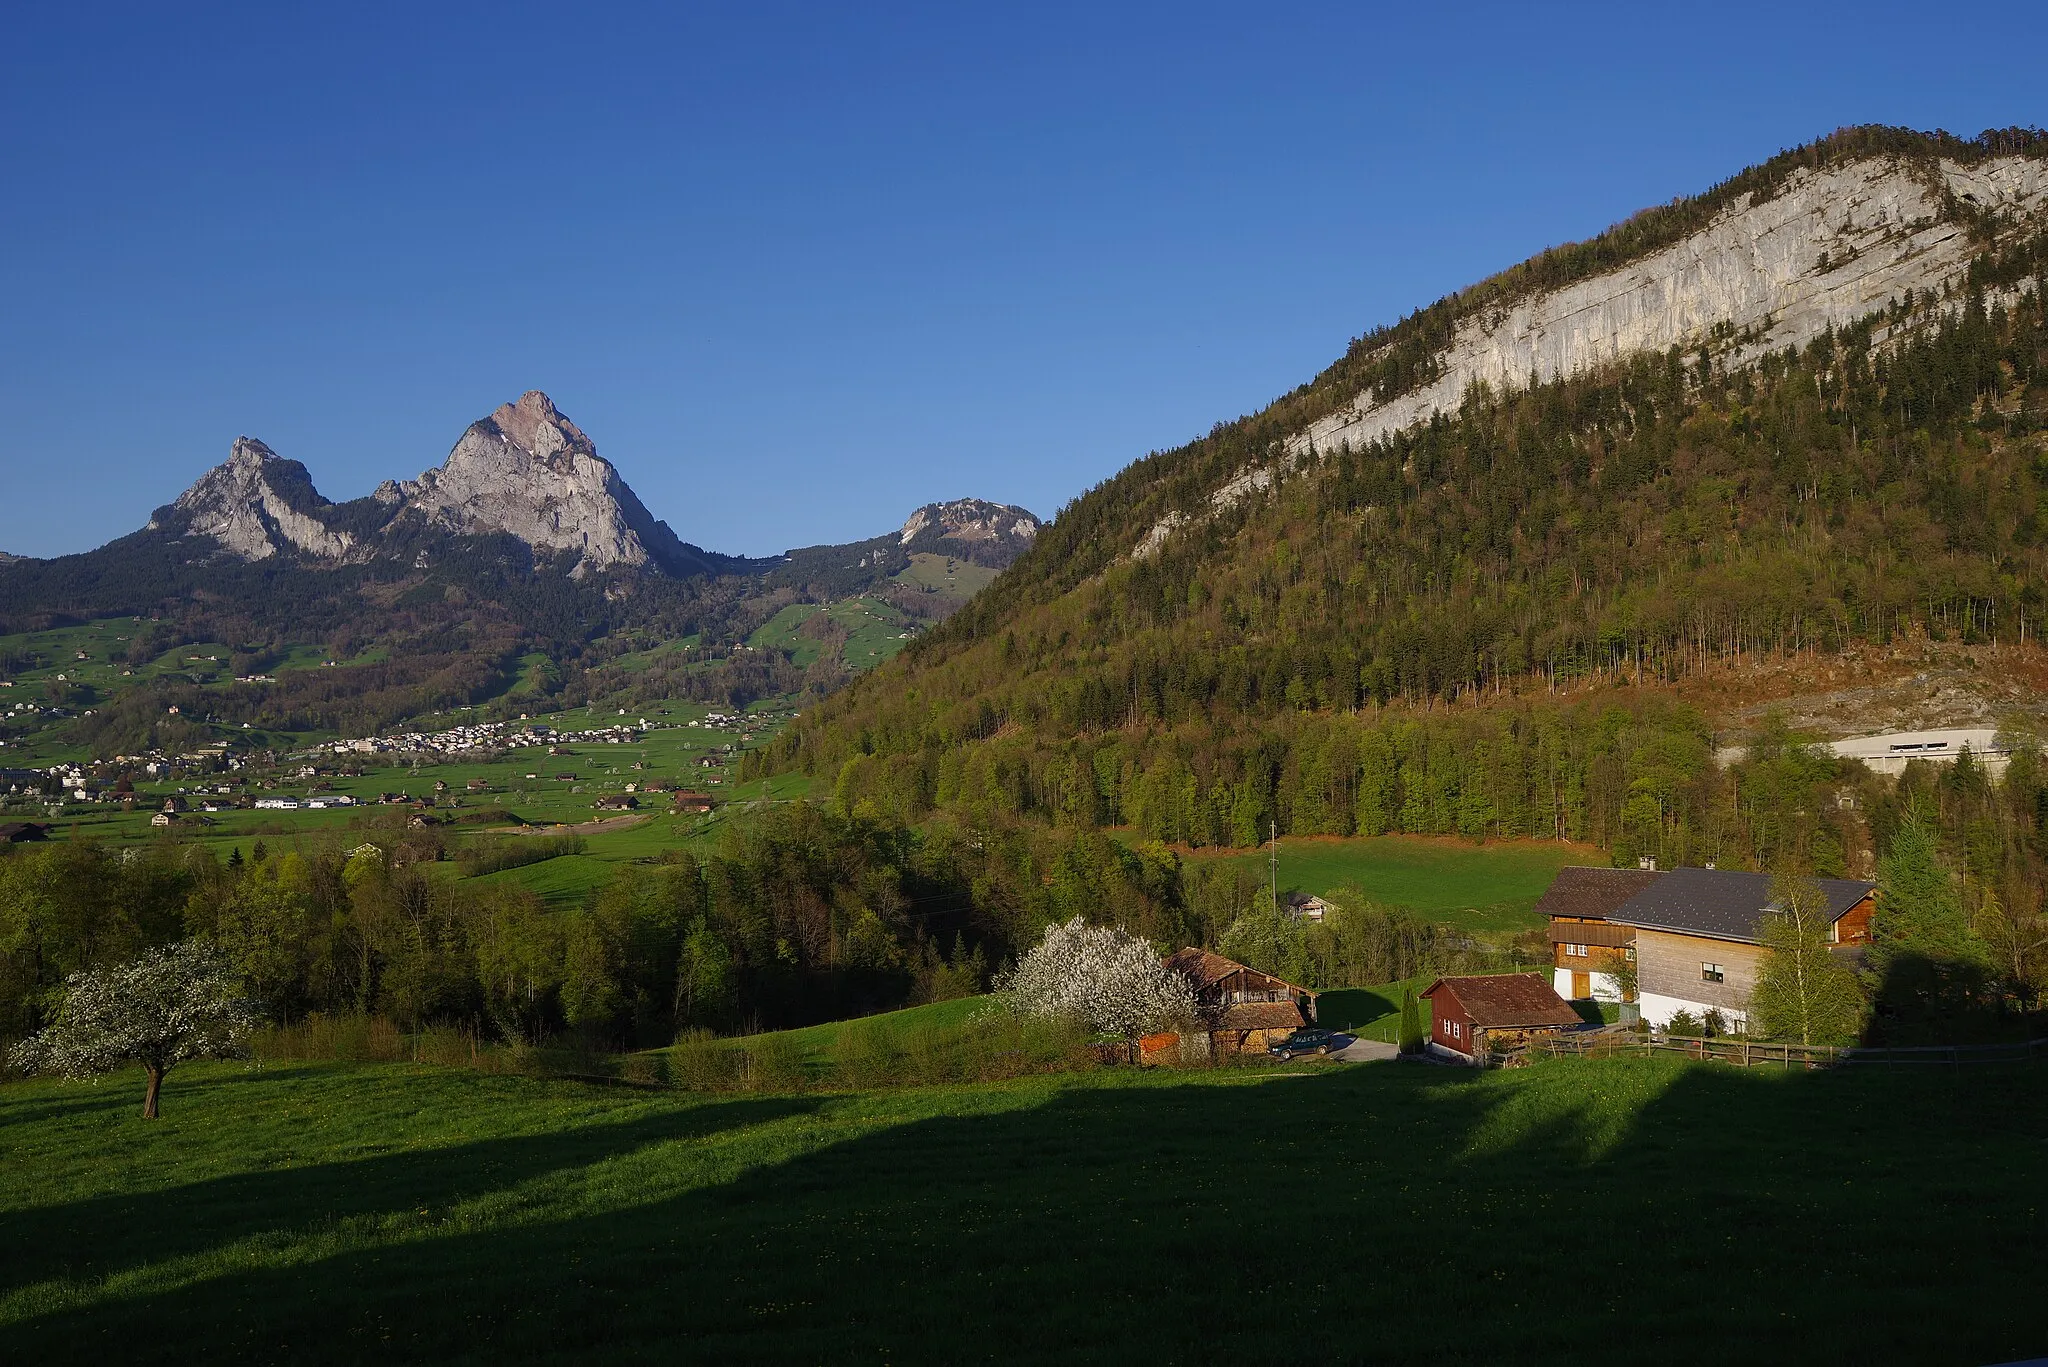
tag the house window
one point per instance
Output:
(1711, 973)
(1572, 951)
(1454, 1030)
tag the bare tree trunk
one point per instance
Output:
(156, 1086)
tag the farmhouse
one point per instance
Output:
(697, 803)
(1245, 1010)
(1478, 1015)
(20, 832)
(1306, 906)
(617, 802)
(1585, 945)
(1698, 931)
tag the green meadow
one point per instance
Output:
(876, 631)
(1617, 1211)
(1485, 888)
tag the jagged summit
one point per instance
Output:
(526, 470)
(529, 471)
(256, 504)
(991, 533)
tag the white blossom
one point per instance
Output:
(178, 1002)
(1110, 980)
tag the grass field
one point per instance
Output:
(1624, 1211)
(814, 1044)
(1489, 887)
(876, 631)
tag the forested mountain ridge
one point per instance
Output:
(1283, 651)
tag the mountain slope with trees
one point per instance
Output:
(1487, 624)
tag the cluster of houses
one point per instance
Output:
(1693, 937)
(485, 737)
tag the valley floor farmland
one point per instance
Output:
(1593, 1212)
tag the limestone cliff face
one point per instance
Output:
(255, 505)
(984, 532)
(529, 471)
(1831, 247)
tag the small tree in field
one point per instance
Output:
(174, 1003)
(1109, 980)
(1411, 1022)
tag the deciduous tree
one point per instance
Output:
(1803, 992)
(176, 1002)
(1107, 979)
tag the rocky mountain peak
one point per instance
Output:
(987, 533)
(248, 453)
(529, 471)
(255, 504)
(537, 426)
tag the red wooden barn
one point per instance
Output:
(1502, 1006)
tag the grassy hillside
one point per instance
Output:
(1613, 1212)
(1470, 887)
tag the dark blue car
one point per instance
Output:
(1304, 1042)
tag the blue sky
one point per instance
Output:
(797, 269)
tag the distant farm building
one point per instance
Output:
(617, 802)
(21, 832)
(1243, 1009)
(1480, 1015)
(1306, 906)
(693, 803)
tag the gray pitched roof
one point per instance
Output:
(1721, 903)
(1592, 893)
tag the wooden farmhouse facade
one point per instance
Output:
(1695, 935)
(1585, 946)
(1478, 1015)
(1243, 1009)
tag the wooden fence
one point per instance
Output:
(1762, 1054)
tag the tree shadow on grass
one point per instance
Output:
(101, 1236)
(1587, 1211)
(1341, 1008)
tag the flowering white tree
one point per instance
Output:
(174, 1003)
(1108, 979)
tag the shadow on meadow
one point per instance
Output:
(97, 1238)
(1588, 1212)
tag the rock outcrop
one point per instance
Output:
(1831, 247)
(975, 529)
(528, 471)
(255, 505)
